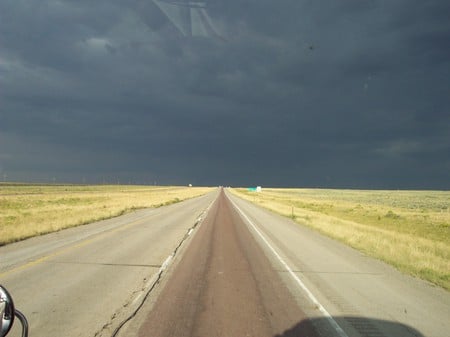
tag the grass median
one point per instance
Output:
(407, 229)
(30, 210)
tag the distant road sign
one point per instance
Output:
(255, 189)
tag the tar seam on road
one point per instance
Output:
(327, 315)
(155, 280)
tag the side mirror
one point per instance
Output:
(7, 312)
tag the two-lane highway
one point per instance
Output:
(84, 281)
(242, 271)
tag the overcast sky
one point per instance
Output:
(299, 93)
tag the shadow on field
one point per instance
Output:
(360, 326)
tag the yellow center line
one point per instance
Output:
(68, 249)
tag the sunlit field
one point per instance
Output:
(407, 229)
(30, 210)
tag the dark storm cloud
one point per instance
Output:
(290, 93)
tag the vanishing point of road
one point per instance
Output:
(212, 266)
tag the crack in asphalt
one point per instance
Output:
(150, 285)
(107, 264)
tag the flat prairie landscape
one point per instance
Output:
(407, 229)
(30, 210)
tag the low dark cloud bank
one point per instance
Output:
(348, 93)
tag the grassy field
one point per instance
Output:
(407, 229)
(30, 210)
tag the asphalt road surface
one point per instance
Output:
(212, 266)
(84, 281)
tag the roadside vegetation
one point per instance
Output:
(407, 229)
(30, 210)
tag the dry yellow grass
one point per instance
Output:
(408, 229)
(30, 210)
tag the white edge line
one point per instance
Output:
(313, 299)
(154, 278)
(168, 260)
(166, 263)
